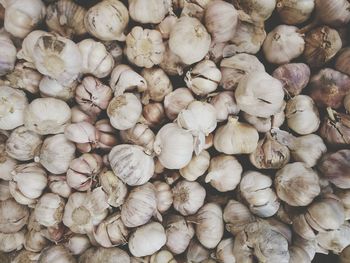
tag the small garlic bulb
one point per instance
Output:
(140, 135)
(344, 256)
(294, 12)
(224, 173)
(234, 68)
(23, 144)
(8, 54)
(173, 146)
(13, 216)
(124, 111)
(56, 153)
(176, 101)
(96, 60)
(50, 87)
(196, 167)
(47, 116)
(188, 197)
(12, 241)
(56, 254)
(236, 137)
(107, 20)
(158, 85)
(77, 244)
(164, 196)
(283, 44)
(100, 254)
(302, 115)
(204, 78)
(115, 189)
(58, 185)
(148, 12)
(84, 211)
(147, 239)
(236, 217)
(259, 11)
(131, 164)
(22, 17)
(12, 107)
(49, 210)
(124, 78)
(153, 114)
(189, 40)
(296, 184)
(209, 225)
(259, 94)
(224, 251)
(256, 189)
(144, 47)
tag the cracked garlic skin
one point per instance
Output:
(294, 12)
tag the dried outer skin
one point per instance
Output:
(342, 63)
(336, 132)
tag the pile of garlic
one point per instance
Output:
(164, 131)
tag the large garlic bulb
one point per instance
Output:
(13, 216)
(8, 54)
(146, 11)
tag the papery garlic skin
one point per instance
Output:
(341, 62)
(100, 254)
(12, 241)
(96, 60)
(189, 40)
(153, 114)
(83, 134)
(7, 164)
(47, 116)
(333, 13)
(164, 196)
(166, 25)
(347, 102)
(162, 256)
(148, 11)
(176, 101)
(294, 12)
(225, 104)
(224, 251)
(56, 254)
(196, 167)
(224, 173)
(283, 44)
(107, 20)
(4, 190)
(115, 189)
(12, 107)
(131, 164)
(258, 10)
(49, 210)
(77, 244)
(196, 252)
(58, 185)
(50, 87)
(22, 17)
(124, 111)
(140, 135)
(144, 47)
(335, 240)
(13, 216)
(26, 255)
(172, 63)
(8, 54)
(298, 254)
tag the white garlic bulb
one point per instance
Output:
(84, 211)
(302, 115)
(50, 87)
(147, 239)
(189, 40)
(23, 144)
(140, 135)
(188, 197)
(224, 251)
(7, 164)
(77, 244)
(236, 137)
(209, 225)
(115, 189)
(124, 111)
(225, 104)
(22, 17)
(144, 47)
(12, 105)
(172, 63)
(8, 54)
(107, 20)
(96, 60)
(131, 164)
(173, 146)
(162, 256)
(145, 11)
(259, 94)
(47, 116)
(166, 25)
(176, 101)
(56, 153)
(164, 196)
(204, 78)
(259, 10)
(13, 216)
(12, 241)
(124, 78)
(56, 254)
(196, 252)
(196, 167)
(224, 173)
(49, 210)
(283, 44)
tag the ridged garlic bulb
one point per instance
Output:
(49, 210)
(196, 167)
(148, 12)
(259, 10)
(164, 196)
(115, 188)
(140, 135)
(56, 254)
(50, 87)
(8, 54)
(14, 216)
(7, 164)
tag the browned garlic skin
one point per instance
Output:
(335, 129)
(294, 12)
(342, 62)
(344, 256)
(333, 13)
(153, 114)
(258, 10)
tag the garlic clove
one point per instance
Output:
(146, 12)
(50, 87)
(176, 101)
(153, 114)
(196, 167)
(8, 56)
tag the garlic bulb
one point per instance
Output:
(12, 105)
(344, 196)
(224, 173)
(146, 12)
(298, 255)
(153, 114)
(259, 94)
(7, 164)
(204, 78)
(224, 251)
(114, 48)
(107, 20)
(50, 87)
(124, 78)
(140, 135)
(56, 153)
(139, 206)
(255, 188)
(83, 134)
(77, 244)
(283, 44)
(335, 128)
(164, 196)
(23, 144)
(124, 111)
(302, 115)
(172, 63)
(225, 104)
(47, 116)
(158, 85)
(236, 137)
(333, 13)
(209, 225)
(166, 25)
(221, 20)
(234, 68)
(131, 164)
(56, 254)
(144, 47)
(196, 167)
(79, 116)
(258, 10)
(8, 55)
(66, 18)
(335, 240)
(115, 189)
(162, 256)
(179, 233)
(176, 101)
(196, 252)
(147, 239)
(84, 211)
(4, 190)
(173, 146)
(296, 184)
(13, 216)
(12, 241)
(294, 12)
(26, 256)
(100, 254)
(28, 45)
(341, 62)
(22, 17)
(49, 210)
(189, 40)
